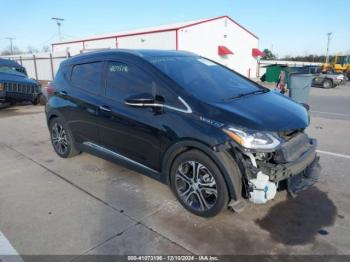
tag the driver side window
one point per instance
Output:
(123, 80)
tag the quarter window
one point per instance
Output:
(87, 76)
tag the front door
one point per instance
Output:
(131, 132)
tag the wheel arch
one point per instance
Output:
(53, 114)
(327, 79)
(222, 159)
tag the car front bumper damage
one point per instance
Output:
(293, 166)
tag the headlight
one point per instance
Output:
(253, 139)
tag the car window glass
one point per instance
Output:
(87, 76)
(123, 80)
(169, 98)
(204, 78)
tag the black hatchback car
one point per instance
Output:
(215, 137)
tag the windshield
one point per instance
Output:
(204, 78)
(343, 60)
(10, 69)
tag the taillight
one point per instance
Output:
(50, 89)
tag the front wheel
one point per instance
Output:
(327, 83)
(198, 184)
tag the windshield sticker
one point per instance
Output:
(156, 60)
(118, 68)
(206, 62)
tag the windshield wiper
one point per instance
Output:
(246, 94)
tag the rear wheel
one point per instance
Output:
(61, 139)
(198, 184)
(327, 83)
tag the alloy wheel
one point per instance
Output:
(59, 139)
(196, 186)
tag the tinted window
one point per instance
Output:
(203, 78)
(87, 76)
(123, 80)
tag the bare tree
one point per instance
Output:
(46, 48)
(7, 51)
(32, 50)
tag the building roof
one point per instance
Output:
(153, 29)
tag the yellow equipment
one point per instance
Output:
(340, 64)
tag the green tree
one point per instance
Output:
(268, 55)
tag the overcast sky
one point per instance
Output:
(289, 27)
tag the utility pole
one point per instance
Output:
(328, 44)
(11, 43)
(59, 23)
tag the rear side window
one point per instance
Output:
(87, 76)
(123, 80)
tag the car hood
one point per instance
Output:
(15, 77)
(264, 112)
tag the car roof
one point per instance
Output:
(8, 62)
(141, 53)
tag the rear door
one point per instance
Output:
(129, 131)
(82, 99)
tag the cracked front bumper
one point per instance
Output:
(299, 174)
(278, 172)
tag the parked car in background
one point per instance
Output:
(193, 124)
(328, 79)
(15, 84)
(325, 79)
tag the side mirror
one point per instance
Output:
(142, 100)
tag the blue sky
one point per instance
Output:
(290, 27)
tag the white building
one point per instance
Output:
(221, 39)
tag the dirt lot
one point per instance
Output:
(86, 205)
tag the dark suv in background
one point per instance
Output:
(15, 84)
(214, 136)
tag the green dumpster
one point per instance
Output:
(273, 72)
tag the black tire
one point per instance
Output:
(66, 147)
(35, 102)
(201, 197)
(12, 103)
(43, 100)
(327, 83)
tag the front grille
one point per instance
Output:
(21, 88)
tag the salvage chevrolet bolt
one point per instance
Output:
(215, 137)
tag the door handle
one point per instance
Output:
(63, 93)
(105, 108)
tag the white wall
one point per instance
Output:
(162, 40)
(205, 38)
(103, 43)
(73, 48)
